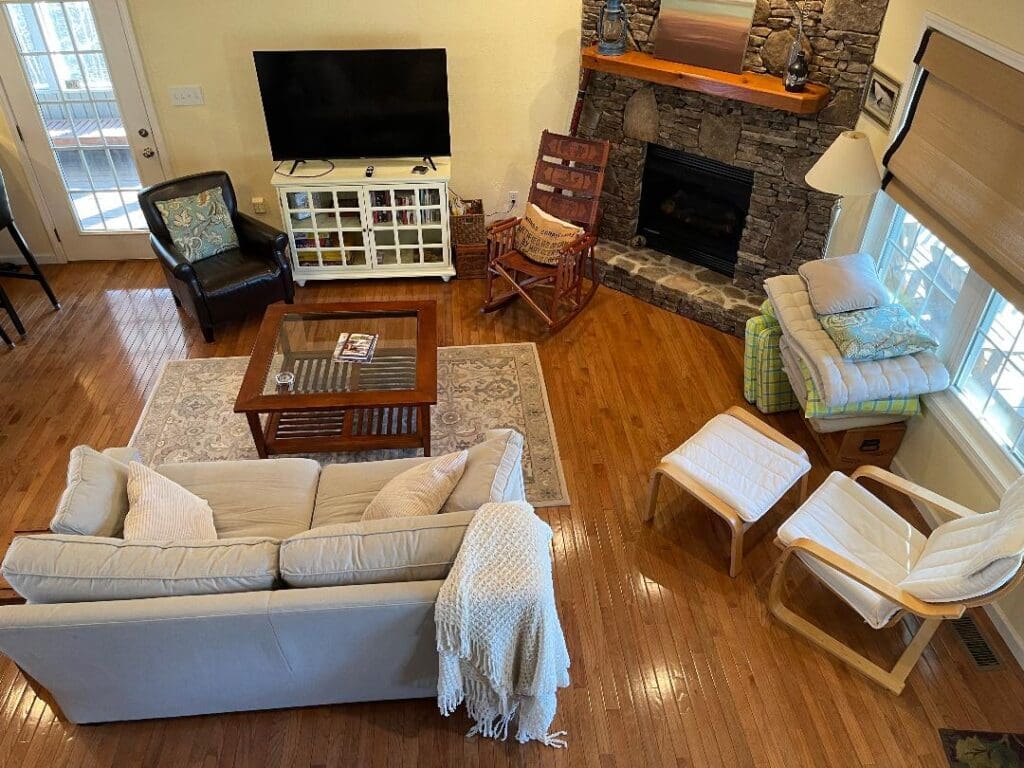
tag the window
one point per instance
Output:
(923, 274)
(981, 335)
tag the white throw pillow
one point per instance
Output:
(161, 510)
(844, 284)
(422, 490)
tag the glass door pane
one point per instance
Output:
(66, 69)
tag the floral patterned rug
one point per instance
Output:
(189, 414)
(980, 749)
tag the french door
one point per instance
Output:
(71, 83)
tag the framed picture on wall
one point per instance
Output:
(880, 98)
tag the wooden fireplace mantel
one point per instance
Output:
(751, 87)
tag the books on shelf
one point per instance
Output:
(355, 347)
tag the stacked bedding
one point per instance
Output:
(852, 305)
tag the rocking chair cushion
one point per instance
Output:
(971, 556)
(844, 517)
(542, 237)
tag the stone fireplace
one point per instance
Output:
(785, 223)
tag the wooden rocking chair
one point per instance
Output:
(567, 183)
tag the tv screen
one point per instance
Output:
(341, 104)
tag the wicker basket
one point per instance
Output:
(471, 262)
(469, 229)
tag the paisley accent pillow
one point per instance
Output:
(541, 237)
(200, 225)
(877, 334)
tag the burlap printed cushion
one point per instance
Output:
(541, 237)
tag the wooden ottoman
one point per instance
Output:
(739, 468)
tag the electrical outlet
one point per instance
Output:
(259, 205)
(186, 95)
(513, 199)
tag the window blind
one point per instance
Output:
(958, 161)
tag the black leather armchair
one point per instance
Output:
(231, 283)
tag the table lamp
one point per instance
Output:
(847, 168)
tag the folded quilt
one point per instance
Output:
(838, 381)
(499, 641)
(814, 405)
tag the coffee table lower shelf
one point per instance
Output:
(341, 430)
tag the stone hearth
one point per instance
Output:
(787, 223)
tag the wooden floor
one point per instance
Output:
(673, 663)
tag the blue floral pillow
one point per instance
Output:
(877, 334)
(200, 225)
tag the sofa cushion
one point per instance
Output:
(55, 568)
(95, 500)
(494, 472)
(161, 510)
(259, 497)
(374, 551)
(420, 490)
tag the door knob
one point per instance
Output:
(149, 152)
(143, 132)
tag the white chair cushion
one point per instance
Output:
(969, 557)
(844, 517)
(747, 470)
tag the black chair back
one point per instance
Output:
(183, 187)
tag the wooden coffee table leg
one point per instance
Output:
(256, 427)
(424, 418)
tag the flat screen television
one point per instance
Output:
(353, 104)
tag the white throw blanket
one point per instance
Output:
(841, 382)
(499, 639)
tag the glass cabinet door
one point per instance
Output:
(407, 225)
(327, 227)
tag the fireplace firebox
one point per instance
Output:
(694, 208)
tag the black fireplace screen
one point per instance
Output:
(694, 208)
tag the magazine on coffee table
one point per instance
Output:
(355, 347)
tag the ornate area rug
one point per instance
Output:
(189, 415)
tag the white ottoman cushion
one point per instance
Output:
(747, 470)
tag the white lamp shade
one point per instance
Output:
(848, 167)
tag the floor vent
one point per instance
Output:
(976, 644)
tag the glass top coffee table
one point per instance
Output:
(298, 400)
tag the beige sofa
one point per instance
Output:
(297, 603)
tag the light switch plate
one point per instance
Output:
(259, 205)
(186, 95)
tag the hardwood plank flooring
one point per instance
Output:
(674, 663)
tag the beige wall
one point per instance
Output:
(23, 205)
(513, 69)
(930, 455)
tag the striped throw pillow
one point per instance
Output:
(161, 510)
(422, 490)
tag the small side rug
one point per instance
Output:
(981, 749)
(189, 415)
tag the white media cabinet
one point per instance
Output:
(345, 225)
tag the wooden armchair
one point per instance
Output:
(884, 569)
(567, 183)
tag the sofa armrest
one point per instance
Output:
(173, 259)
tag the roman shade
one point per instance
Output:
(956, 161)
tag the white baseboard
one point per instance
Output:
(1004, 626)
(43, 257)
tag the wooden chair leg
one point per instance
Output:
(652, 496)
(803, 487)
(736, 549)
(893, 679)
